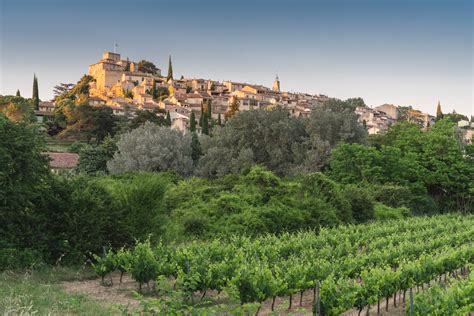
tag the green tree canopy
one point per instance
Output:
(147, 67)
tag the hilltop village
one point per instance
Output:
(127, 86)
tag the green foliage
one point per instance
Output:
(454, 298)
(192, 122)
(24, 174)
(254, 202)
(153, 148)
(93, 159)
(88, 122)
(361, 201)
(143, 267)
(35, 96)
(12, 259)
(429, 162)
(384, 212)
(147, 67)
(39, 292)
(104, 265)
(139, 199)
(270, 138)
(196, 148)
(142, 116)
(17, 109)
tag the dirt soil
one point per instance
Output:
(122, 294)
(116, 294)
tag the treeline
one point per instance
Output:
(262, 172)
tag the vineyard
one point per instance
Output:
(453, 298)
(344, 268)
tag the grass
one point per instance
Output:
(58, 145)
(39, 293)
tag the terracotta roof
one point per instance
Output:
(63, 160)
(47, 104)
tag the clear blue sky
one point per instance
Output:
(406, 52)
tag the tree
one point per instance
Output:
(17, 109)
(154, 92)
(355, 102)
(271, 138)
(153, 148)
(147, 67)
(18, 93)
(196, 151)
(439, 113)
(329, 124)
(86, 121)
(170, 70)
(233, 108)
(35, 97)
(156, 117)
(24, 173)
(192, 122)
(93, 159)
(205, 124)
(209, 109)
(62, 89)
(168, 119)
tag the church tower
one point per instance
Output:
(276, 84)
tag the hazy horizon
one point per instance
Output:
(400, 52)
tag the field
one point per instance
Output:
(348, 270)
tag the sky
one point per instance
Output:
(403, 52)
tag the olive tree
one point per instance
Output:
(153, 148)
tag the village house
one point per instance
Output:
(45, 112)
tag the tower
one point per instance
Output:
(276, 84)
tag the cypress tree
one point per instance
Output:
(170, 70)
(439, 113)
(219, 121)
(192, 122)
(153, 90)
(209, 109)
(205, 125)
(127, 66)
(201, 118)
(168, 118)
(18, 93)
(196, 151)
(35, 93)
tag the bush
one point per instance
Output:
(12, 259)
(320, 186)
(384, 212)
(362, 204)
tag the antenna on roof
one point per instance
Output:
(115, 48)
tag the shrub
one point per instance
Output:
(384, 212)
(361, 202)
(12, 259)
(320, 186)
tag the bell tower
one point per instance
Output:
(276, 84)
